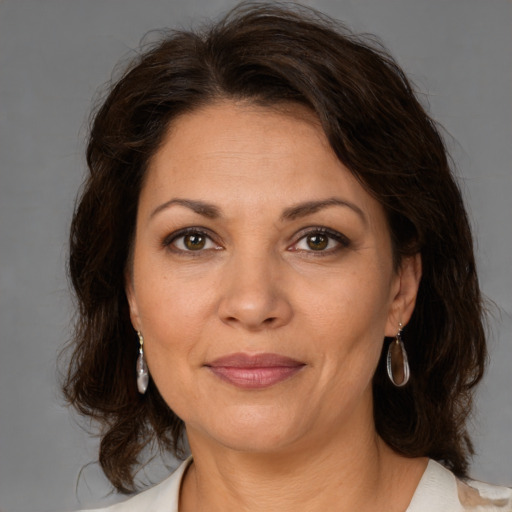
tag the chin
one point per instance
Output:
(251, 431)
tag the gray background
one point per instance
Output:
(53, 56)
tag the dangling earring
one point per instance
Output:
(141, 367)
(397, 363)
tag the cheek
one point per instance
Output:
(178, 319)
(173, 334)
(168, 297)
(172, 319)
(346, 316)
(355, 300)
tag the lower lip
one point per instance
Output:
(255, 378)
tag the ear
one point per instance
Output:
(132, 302)
(405, 293)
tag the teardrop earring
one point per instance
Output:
(141, 367)
(397, 362)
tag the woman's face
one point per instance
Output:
(262, 280)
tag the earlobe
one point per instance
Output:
(402, 307)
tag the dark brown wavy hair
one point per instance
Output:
(271, 54)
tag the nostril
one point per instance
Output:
(253, 307)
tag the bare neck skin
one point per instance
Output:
(354, 470)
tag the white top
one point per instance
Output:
(438, 491)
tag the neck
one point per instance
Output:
(355, 470)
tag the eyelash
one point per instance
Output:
(342, 241)
(169, 242)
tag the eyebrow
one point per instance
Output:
(310, 207)
(293, 212)
(200, 207)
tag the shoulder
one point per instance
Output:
(441, 491)
(162, 497)
(482, 496)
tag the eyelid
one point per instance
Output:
(340, 238)
(169, 240)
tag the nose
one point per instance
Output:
(253, 295)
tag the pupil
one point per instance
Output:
(317, 242)
(194, 242)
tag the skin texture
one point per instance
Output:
(257, 273)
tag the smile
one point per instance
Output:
(256, 371)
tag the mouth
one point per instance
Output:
(254, 371)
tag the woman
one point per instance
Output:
(271, 254)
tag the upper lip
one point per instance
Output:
(243, 360)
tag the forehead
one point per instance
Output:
(248, 155)
(230, 130)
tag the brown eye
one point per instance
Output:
(321, 240)
(317, 242)
(194, 241)
(190, 240)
